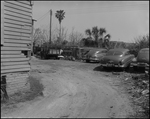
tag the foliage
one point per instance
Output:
(140, 42)
(40, 36)
(75, 37)
(117, 44)
(88, 32)
(60, 15)
(98, 35)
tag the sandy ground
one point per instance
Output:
(73, 90)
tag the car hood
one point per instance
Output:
(113, 59)
(143, 58)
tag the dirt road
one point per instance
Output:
(73, 89)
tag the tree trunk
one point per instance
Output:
(60, 34)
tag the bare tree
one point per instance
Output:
(75, 37)
(55, 36)
(40, 36)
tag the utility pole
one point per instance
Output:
(50, 26)
(32, 35)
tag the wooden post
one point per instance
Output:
(32, 35)
(50, 26)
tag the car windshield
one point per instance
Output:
(114, 53)
(145, 52)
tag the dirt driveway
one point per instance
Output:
(73, 89)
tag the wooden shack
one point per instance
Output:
(16, 39)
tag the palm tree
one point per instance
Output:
(106, 41)
(95, 34)
(101, 33)
(60, 15)
(88, 32)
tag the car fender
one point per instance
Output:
(126, 60)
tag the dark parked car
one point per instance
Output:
(95, 55)
(141, 61)
(120, 58)
(83, 51)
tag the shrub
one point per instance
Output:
(140, 42)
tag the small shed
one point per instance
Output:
(16, 42)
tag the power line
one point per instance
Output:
(43, 16)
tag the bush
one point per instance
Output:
(140, 42)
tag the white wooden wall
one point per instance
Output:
(16, 27)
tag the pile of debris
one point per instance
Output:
(137, 86)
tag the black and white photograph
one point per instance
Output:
(74, 59)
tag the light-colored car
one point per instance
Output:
(141, 61)
(95, 55)
(120, 58)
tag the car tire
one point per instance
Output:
(127, 68)
(132, 69)
(87, 61)
(102, 68)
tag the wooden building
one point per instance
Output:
(16, 41)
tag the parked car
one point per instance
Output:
(95, 55)
(83, 51)
(141, 61)
(120, 58)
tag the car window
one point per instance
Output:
(127, 53)
(104, 51)
(110, 53)
(144, 52)
(118, 53)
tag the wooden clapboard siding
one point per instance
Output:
(17, 38)
(2, 22)
(14, 63)
(16, 26)
(17, 11)
(16, 14)
(14, 59)
(22, 31)
(15, 45)
(12, 5)
(19, 4)
(25, 2)
(13, 56)
(16, 29)
(19, 41)
(10, 52)
(15, 18)
(14, 67)
(16, 34)
(16, 22)
(14, 48)
(14, 70)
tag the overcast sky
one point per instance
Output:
(123, 20)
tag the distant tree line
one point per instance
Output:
(96, 37)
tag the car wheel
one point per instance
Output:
(87, 61)
(132, 69)
(127, 68)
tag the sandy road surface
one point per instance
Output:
(73, 89)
